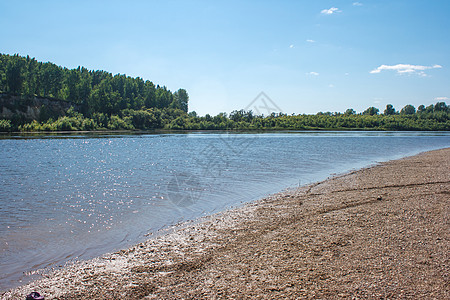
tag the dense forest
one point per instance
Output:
(98, 100)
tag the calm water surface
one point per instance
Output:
(76, 197)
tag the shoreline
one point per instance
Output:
(183, 131)
(333, 238)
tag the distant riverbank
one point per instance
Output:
(377, 232)
(31, 113)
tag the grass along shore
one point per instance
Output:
(377, 232)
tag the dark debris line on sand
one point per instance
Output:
(381, 232)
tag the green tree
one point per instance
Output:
(163, 97)
(193, 114)
(390, 110)
(15, 74)
(31, 81)
(440, 106)
(371, 111)
(149, 90)
(51, 80)
(408, 110)
(73, 85)
(181, 98)
(349, 112)
(421, 108)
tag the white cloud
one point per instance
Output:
(291, 46)
(442, 98)
(357, 4)
(331, 85)
(313, 73)
(330, 11)
(311, 41)
(405, 69)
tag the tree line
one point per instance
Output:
(432, 117)
(102, 101)
(92, 91)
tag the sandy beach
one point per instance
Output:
(379, 232)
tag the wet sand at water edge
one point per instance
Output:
(380, 232)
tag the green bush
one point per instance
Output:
(5, 125)
(116, 123)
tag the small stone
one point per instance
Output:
(379, 198)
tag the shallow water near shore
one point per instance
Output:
(76, 197)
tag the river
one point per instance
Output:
(69, 197)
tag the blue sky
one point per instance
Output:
(307, 56)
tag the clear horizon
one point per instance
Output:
(306, 56)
